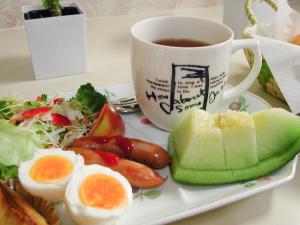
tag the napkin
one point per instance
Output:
(284, 61)
(282, 57)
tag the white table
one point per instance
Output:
(109, 63)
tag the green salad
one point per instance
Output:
(26, 125)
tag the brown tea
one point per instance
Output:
(181, 42)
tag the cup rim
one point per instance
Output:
(183, 48)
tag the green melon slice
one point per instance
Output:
(277, 142)
(214, 177)
(239, 139)
(276, 131)
(199, 140)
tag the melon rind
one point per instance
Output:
(214, 177)
(278, 141)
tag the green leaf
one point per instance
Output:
(46, 4)
(3, 104)
(8, 172)
(54, 6)
(265, 73)
(33, 104)
(5, 112)
(152, 194)
(17, 145)
(242, 100)
(44, 97)
(244, 108)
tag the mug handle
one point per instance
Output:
(253, 45)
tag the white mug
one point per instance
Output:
(170, 80)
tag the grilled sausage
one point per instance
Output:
(137, 174)
(140, 151)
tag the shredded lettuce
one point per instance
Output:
(20, 137)
(81, 110)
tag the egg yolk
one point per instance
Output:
(102, 191)
(50, 168)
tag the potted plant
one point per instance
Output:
(56, 34)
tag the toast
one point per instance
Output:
(17, 207)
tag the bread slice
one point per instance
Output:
(17, 207)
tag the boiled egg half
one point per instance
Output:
(48, 172)
(97, 195)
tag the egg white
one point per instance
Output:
(52, 191)
(87, 215)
